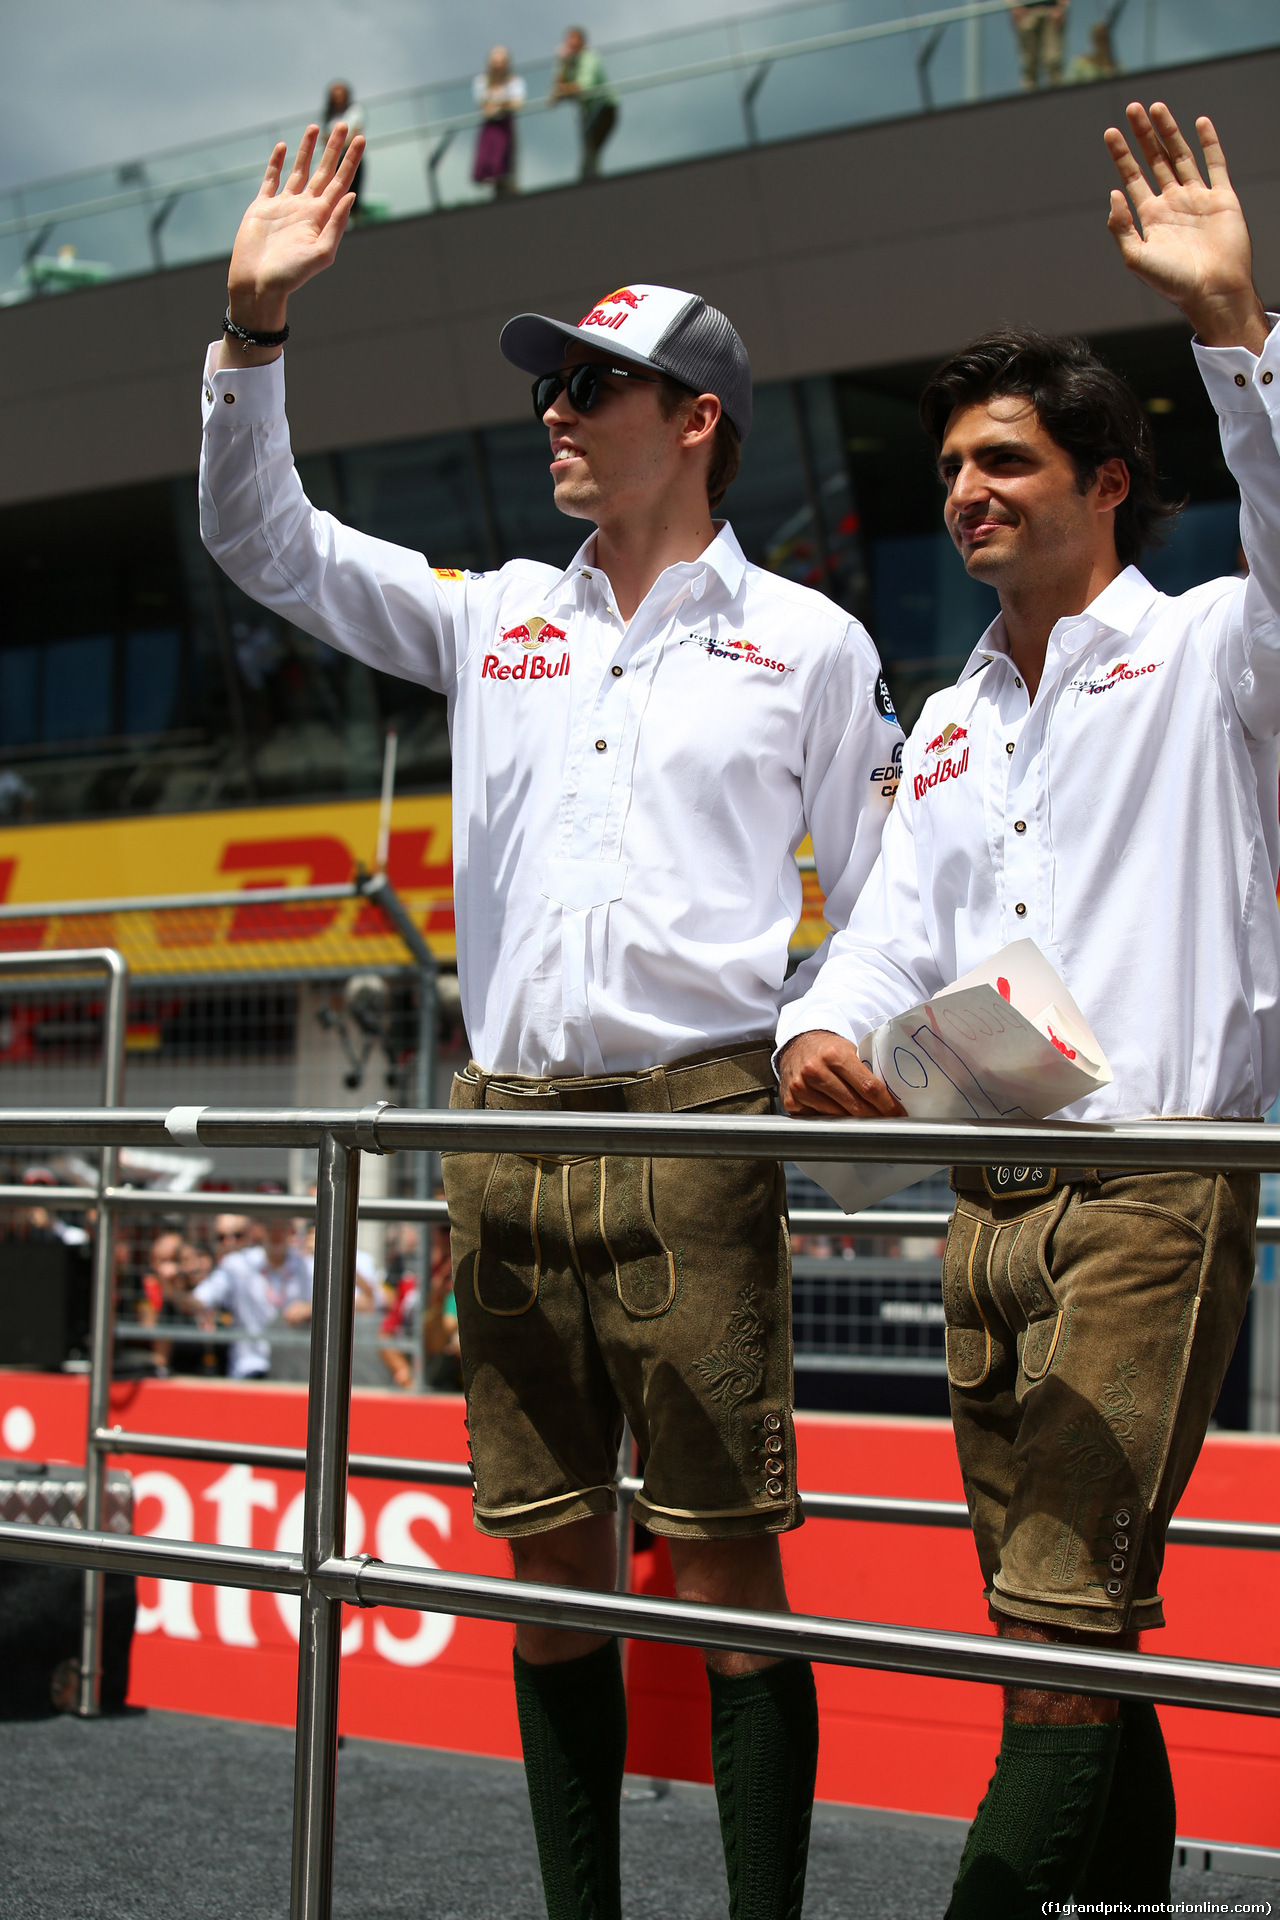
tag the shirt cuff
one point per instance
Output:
(1239, 381)
(235, 395)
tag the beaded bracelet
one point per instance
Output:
(249, 339)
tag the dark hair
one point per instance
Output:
(726, 447)
(1084, 407)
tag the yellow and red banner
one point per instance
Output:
(245, 850)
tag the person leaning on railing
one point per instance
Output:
(1118, 805)
(580, 76)
(640, 741)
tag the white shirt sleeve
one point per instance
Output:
(1245, 391)
(882, 962)
(214, 1290)
(383, 604)
(852, 759)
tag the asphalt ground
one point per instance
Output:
(163, 1814)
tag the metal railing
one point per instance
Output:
(324, 1577)
(705, 88)
(78, 962)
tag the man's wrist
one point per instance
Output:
(1240, 321)
(258, 310)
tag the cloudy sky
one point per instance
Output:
(88, 82)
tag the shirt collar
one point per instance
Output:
(1120, 608)
(724, 558)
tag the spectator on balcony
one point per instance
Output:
(500, 94)
(1040, 26)
(255, 1287)
(580, 76)
(340, 104)
(1100, 62)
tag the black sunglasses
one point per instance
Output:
(584, 385)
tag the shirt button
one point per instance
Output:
(1021, 911)
(1240, 380)
(230, 399)
(1019, 826)
(1266, 378)
(1017, 682)
(602, 746)
(616, 672)
(1008, 746)
(208, 393)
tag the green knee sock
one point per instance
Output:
(1133, 1853)
(1035, 1829)
(764, 1753)
(573, 1728)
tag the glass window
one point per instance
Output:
(19, 695)
(152, 675)
(518, 463)
(77, 688)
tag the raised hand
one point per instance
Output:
(1189, 241)
(291, 232)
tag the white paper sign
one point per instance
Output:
(1006, 1042)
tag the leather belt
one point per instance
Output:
(734, 1073)
(1026, 1182)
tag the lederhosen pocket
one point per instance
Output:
(644, 1268)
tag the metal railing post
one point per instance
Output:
(90, 960)
(324, 1528)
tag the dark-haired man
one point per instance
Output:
(640, 741)
(1117, 803)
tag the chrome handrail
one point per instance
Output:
(324, 1578)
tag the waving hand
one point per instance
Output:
(289, 233)
(1189, 241)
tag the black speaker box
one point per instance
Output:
(40, 1606)
(45, 1291)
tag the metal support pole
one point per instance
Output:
(973, 57)
(102, 1331)
(324, 1529)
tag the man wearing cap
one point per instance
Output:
(640, 743)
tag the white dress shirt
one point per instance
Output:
(1126, 819)
(627, 797)
(255, 1294)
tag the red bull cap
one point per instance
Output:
(646, 326)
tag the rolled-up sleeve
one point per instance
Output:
(381, 603)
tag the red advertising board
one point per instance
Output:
(887, 1740)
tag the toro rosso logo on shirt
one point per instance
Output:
(622, 298)
(1103, 683)
(943, 770)
(737, 652)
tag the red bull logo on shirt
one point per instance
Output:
(944, 770)
(535, 632)
(947, 738)
(532, 666)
